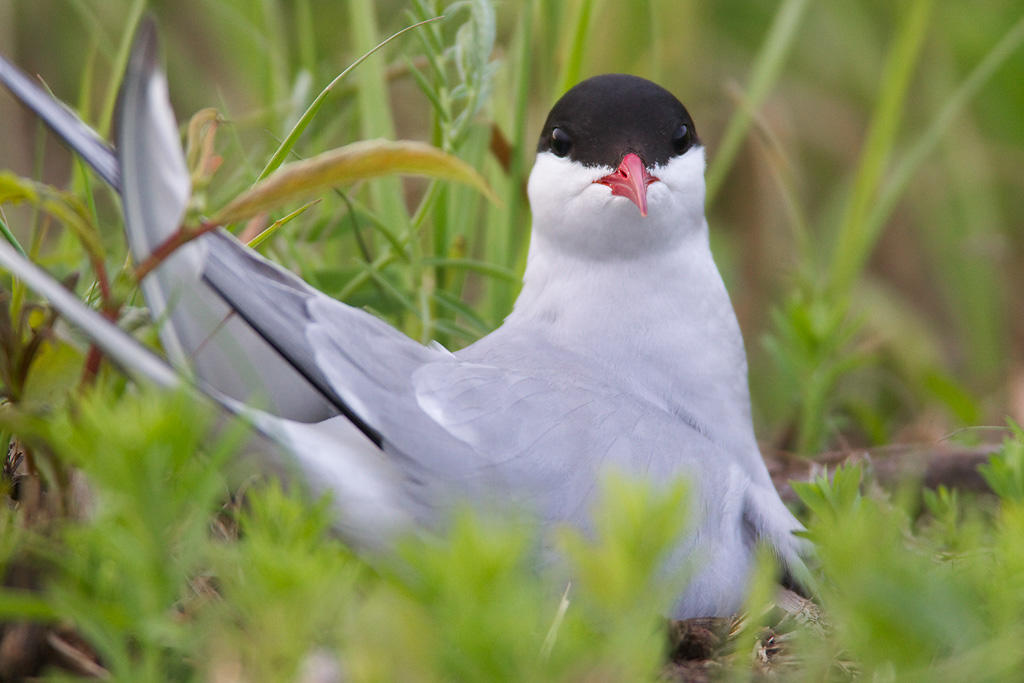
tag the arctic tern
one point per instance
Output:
(622, 350)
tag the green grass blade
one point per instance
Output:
(360, 212)
(454, 330)
(285, 148)
(93, 28)
(897, 182)
(767, 68)
(275, 51)
(276, 225)
(304, 27)
(507, 243)
(855, 241)
(18, 604)
(458, 307)
(426, 88)
(363, 276)
(390, 290)
(577, 48)
(17, 286)
(133, 17)
(9, 236)
(83, 184)
(482, 267)
(373, 105)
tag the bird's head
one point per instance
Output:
(619, 170)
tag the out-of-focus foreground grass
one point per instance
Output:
(865, 187)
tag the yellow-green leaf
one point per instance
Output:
(14, 190)
(54, 373)
(64, 206)
(269, 231)
(358, 161)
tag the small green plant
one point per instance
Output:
(832, 499)
(897, 603)
(1004, 472)
(118, 569)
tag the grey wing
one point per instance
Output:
(544, 433)
(537, 442)
(450, 424)
(552, 427)
(149, 171)
(290, 315)
(198, 331)
(364, 366)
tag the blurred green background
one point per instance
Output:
(868, 317)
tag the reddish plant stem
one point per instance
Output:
(104, 282)
(110, 310)
(182, 236)
(95, 356)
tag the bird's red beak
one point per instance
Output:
(630, 180)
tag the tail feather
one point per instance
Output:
(133, 357)
(199, 332)
(64, 123)
(331, 456)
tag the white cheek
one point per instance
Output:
(682, 184)
(658, 192)
(684, 174)
(557, 186)
(596, 195)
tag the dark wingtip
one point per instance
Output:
(146, 43)
(219, 273)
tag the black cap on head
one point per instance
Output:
(603, 118)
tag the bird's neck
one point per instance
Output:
(661, 322)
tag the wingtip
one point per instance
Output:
(142, 61)
(146, 45)
(156, 184)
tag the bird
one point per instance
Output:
(622, 351)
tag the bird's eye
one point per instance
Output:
(682, 138)
(561, 143)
